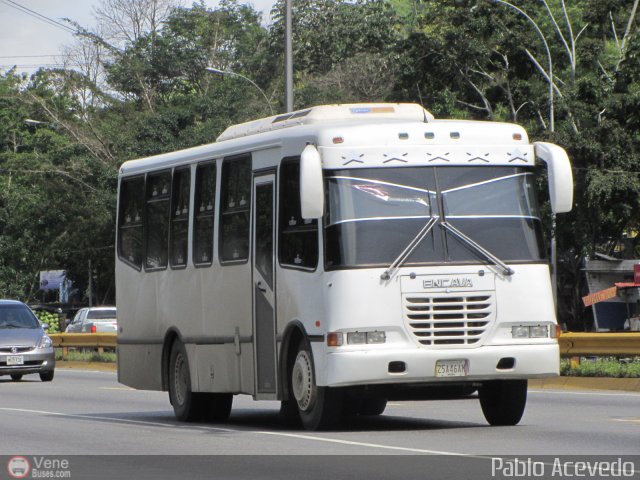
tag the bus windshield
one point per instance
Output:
(372, 214)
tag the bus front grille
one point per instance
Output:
(449, 320)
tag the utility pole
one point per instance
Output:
(90, 286)
(288, 59)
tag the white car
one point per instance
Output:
(94, 320)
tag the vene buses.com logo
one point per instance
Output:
(18, 467)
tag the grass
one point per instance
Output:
(611, 367)
(86, 356)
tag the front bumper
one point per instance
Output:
(35, 361)
(371, 367)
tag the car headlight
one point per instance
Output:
(45, 342)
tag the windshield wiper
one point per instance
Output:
(11, 325)
(506, 270)
(397, 263)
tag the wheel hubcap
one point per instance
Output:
(180, 379)
(302, 382)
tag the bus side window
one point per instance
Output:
(180, 217)
(130, 221)
(205, 207)
(235, 202)
(298, 238)
(157, 220)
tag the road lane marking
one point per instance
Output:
(627, 420)
(112, 419)
(119, 388)
(597, 394)
(370, 445)
(229, 430)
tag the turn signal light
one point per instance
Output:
(334, 339)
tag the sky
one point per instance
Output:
(29, 41)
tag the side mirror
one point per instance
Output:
(560, 176)
(45, 326)
(311, 184)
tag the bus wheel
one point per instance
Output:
(503, 401)
(372, 406)
(187, 405)
(16, 377)
(184, 401)
(319, 407)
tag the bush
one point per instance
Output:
(602, 367)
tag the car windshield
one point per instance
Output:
(17, 316)
(102, 314)
(374, 213)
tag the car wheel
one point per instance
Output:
(319, 408)
(190, 406)
(16, 377)
(46, 376)
(503, 401)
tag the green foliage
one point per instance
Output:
(603, 367)
(84, 355)
(475, 59)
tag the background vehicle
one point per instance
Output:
(94, 320)
(338, 257)
(24, 346)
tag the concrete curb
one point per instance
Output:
(587, 383)
(565, 383)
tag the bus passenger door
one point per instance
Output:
(264, 327)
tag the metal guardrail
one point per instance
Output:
(599, 344)
(99, 341)
(571, 344)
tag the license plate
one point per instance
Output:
(15, 360)
(452, 368)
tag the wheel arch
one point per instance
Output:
(293, 334)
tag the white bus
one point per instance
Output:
(338, 257)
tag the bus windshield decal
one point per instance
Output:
(373, 199)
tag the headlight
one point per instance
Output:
(45, 342)
(520, 332)
(540, 331)
(356, 338)
(530, 331)
(335, 339)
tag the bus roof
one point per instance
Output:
(407, 126)
(327, 114)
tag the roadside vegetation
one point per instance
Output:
(86, 356)
(136, 85)
(602, 367)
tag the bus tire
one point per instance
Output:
(319, 408)
(16, 377)
(503, 401)
(190, 406)
(187, 406)
(372, 406)
(216, 407)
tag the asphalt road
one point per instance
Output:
(88, 413)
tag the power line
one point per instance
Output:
(33, 65)
(29, 56)
(38, 16)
